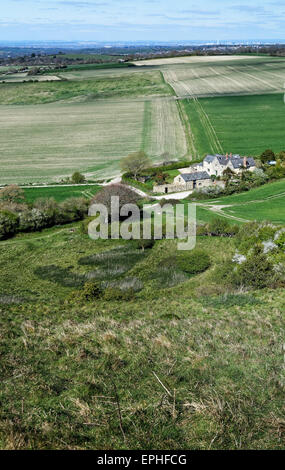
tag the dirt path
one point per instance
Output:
(31, 239)
(218, 210)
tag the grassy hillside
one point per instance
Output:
(239, 124)
(66, 368)
(264, 203)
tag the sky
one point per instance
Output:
(129, 20)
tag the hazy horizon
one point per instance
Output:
(143, 20)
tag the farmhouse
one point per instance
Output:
(216, 164)
(204, 174)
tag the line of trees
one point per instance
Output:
(18, 216)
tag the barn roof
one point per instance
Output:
(199, 175)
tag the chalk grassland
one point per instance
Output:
(219, 356)
(214, 76)
(238, 124)
(142, 84)
(47, 142)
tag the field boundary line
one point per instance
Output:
(209, 128)
(185, 122)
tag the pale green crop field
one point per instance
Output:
(50, 141)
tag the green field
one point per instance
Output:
(220, 356)
(239, 124)
(264, 203)
(60, 193)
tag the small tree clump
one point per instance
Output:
(9, 223)
(135, 162)
(77, 178)
(267, 156)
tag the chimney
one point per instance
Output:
(245, 162)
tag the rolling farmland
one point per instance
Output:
(51, 141)
(214, 76)
(49, 130)
(91, 118)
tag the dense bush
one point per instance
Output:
(218, 227)
(256, 271)
(20, 217)
(222, 228)
(116, 294)
(9, 223)
(259, 260)
(91, 290)
(193, 262)
(32, 220)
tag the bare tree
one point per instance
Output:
(135, 162)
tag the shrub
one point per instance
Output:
(280, 240)
(32, 220)
(71, 210)
(193, 262)
(77, 178)
(202, 230)
(9, 223)
(12, 193)
(91, 290)
(85, 224)
(49, 207)
(112, 293)
(221, 227)
(257, 271)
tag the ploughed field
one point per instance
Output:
(224, 75)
